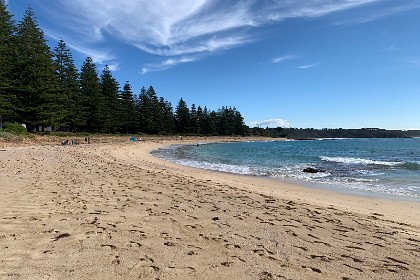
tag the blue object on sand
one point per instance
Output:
(133, 139)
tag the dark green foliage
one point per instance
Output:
(14, 128)
(68, 76)
(239, 126)
(208, 122)
(7, 94)
(39, 99)
(182, 117)
(145, 112)
(155, 115)
(108, 103)
(155, 112)
(226, 121)
(311, 133)
(90, 97)
(127, 110)
(230, 121)
(193, 128)
(167, 115)
(199, 120)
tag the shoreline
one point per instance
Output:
(313, 192)
(393, 207)
(111, 210)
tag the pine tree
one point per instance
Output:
(7, 96)
(200, 120)
(90, 97)
(168, 125)
(69, 84)
(38, 94)
(205, 122)
(108, 109)
(144, 112)
(213, 119)
(182, 117)
(149, 112)
(193, 119)
(127, 109)
(156, 115)
(226, 121)
(238, 122)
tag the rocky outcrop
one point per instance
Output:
(312, 170)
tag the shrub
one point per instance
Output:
(14, 128)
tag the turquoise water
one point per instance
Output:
(389, 167)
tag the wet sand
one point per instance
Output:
(112, 211)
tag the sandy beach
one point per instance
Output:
(110, 210)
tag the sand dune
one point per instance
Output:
(112, 211)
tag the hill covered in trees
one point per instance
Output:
(311, 133)
(40, 87)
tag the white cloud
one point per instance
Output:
(97, 55)
(307, 66)
(168, 63)
(377, 15)
(101, 56)
(114, 66)
(187, 27)
(284, 58)
(270, 123)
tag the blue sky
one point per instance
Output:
(312, 63)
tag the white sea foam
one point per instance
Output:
(245, 170)
(350, 160)
(358, 173)
(321, 139)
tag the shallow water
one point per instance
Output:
(371, 166)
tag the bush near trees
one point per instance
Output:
(14, 128)
(42, 88)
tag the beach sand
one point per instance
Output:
(109, 210)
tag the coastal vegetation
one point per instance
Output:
(43, 89)
(311, 133)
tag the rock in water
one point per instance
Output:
(312, 170)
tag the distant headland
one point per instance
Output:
(311, 133)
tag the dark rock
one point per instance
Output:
(312, 170)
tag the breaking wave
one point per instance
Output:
(350, 160)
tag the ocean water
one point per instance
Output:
(374, 167)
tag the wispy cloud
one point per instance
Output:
(284, 58)
(379, 14)
(307, 66)
(98, 55)
(168, 63)
(414, 61)
(114, 66)
(270, 123)
(187, 27)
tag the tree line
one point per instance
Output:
(40, 88)
(311, 133)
